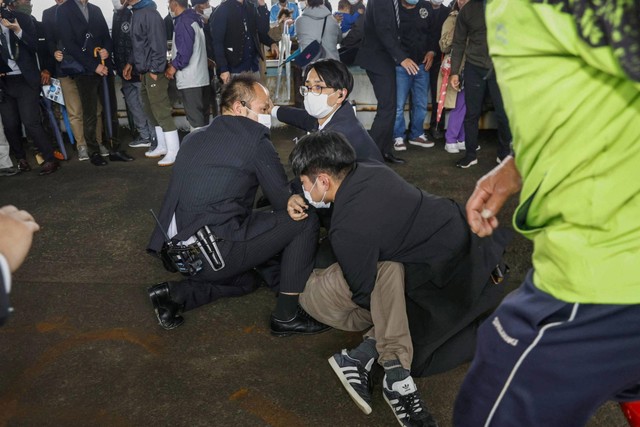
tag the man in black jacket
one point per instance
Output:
(237, 31)
(214, 183)
(84, 35)
(326, 107)
(379, 54)
(452, 277)
(20, 90)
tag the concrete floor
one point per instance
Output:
(83, 347)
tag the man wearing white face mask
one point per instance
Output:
(327, 86)
(214, 183)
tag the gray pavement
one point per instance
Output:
(83, 347)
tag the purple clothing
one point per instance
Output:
(455, 127)
(185, 36)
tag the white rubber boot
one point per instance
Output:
(173, 145)
(161, 149)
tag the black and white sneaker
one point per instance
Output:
(354, 378)
(407, 406)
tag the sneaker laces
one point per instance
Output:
(413, 406)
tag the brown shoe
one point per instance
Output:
(49, 168)
(23, 165)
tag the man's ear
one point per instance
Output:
(238, 108)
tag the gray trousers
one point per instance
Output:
(196, 105)
(131, 93)
(5, 160)
(327, 298)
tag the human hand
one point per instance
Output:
(454, 81)
(428, 60)
(410, 66)
(13, 26)
(102, 70)
(275, 50)
(126, 71)
(16, 234)
(170, 72)
(104, 54)
(490, 194)
(45, 77)
(154, 77)
(225, 77)
(297, 207)
(58, 55)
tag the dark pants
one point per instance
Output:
(297, 240)
(384, 87)
(196, 105)
(91, 91)
(545, 362)
(476, 82)
(22, 106)
(434, 90)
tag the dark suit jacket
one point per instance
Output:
(27, 46)
(381, 49)
(378, 216)
(344, 121)
(72, 30)
(215, 179)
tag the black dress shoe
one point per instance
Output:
(301, 324)
(23, 165)
(390, 158)
(49, 168)
(97, 160)
(436, 133)
(120, 156)
(167, 310)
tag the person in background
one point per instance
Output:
(189, 63)
(6, 165)
(316, 23)
(438, 13)
(204, 9)
(345, 17)
(284, 4)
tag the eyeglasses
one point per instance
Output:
(316, 90)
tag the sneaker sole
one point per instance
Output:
(364, 406)
(471, 163)
(83, 159)
(392, 409)
(140, 146)
(400, 148)
(155, 157)
(422, 144)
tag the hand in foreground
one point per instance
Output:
(170, 72)
(454, 81)
(491, 193)
(225, 77)
(297, 206)
(58, 55)
(410, 66)
(126, 71)
(274, 49)
(428, 60)
(16, 233)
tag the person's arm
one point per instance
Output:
(106, 42)
(185, 37)
(271, 174)
(297, 117)
(218, 31)
(459, 42)
(273, 14)
(385, 24)
(262, 24)
(446, 36)
(158, 42)
(65, 32)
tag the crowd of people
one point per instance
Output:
(421, 273)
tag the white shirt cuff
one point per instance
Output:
(6, 273)
(274, 112)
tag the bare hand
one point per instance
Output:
(13, 26)
(104, 54)
(45, 77)
(58, 55)
(170, 72)
(297, 207)
(225, 77)
(274, 49)
(428, 60)
(491, 193)
(454, 81)
(102, 70)
(410, 66)
(153, 76)
(126, 71)
(16, 233)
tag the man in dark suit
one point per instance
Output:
(16, 233)
(214, 183)
(379, 54)
(84, 35)
(451, 277)
(20, 89)
(327, 87)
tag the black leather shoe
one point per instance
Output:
(23, 165)
(167, 310)
(301, 324)
(120, 156)
(436, 133)
(97, 160)
(390, 158)
(49, 168)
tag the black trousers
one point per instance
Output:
(384, 87)
(476, 82)
(90, 89)
(21, 105)
(434, 71)
(195, 101)
(297, 240)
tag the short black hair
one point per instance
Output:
(315, 3)
(324, 151)
(344, 4)
(240, 88)
(334, 73)
(182, 3)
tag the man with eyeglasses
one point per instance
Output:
(327, 86)
(214, 183)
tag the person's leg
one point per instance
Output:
(115, 144)
(474, 88)
(504, 132)
(434, 95)
(161, 109)
(193, 100)
(419, 108)
(158, 145)
(28, 101)
(548, 362)
(384, 88)
(12, 126)
(5, 160)
(403, 85)
(74, 109)
(131, 94)
(454, 136)
(88, 91)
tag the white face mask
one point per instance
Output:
(318, 205)
(117, 5)
(316, 105)
(302, 5)
(353, 2)
(207, 12)
(263, 119)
